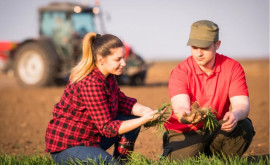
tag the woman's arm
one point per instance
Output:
(147, 115)
(139, 109)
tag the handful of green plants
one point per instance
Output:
(210, 122)
(161, 119)
(207, 115)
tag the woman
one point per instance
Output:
(93, 114)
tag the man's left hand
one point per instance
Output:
(230, 122)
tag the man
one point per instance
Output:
(62, 34)
(214, 81)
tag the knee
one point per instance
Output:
(248, 129)
(236, 142)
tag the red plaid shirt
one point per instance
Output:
(86, 112)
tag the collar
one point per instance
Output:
(216, 67)
(99, 75)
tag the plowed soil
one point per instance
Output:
(25, 113)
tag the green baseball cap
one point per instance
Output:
(203, 33)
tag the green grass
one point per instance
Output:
(25, 160)
(138, 159)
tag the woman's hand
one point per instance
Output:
(151, 115)
(146, 115)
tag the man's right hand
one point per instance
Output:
(181, 107)
(182, 117)
(189, 118)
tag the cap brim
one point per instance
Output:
(199, 43)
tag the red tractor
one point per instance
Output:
(43, 61)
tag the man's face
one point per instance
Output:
(205, 57)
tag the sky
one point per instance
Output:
(159, 29)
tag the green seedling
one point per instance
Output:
(210, 122)
(207, 115)
(159, 122)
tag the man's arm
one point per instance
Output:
(240, 106)
(240, 110)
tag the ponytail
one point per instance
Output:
(93, 44)
(87, 63)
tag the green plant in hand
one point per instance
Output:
(210, 122)
(159, 122)
(206, 114)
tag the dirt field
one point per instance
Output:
(24, 113)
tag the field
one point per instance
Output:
(24, 113)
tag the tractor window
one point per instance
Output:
(83, 23)
(49, 21)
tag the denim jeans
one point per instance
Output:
(99, 155)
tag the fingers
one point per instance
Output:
(155, 114)
(187, 119)
(226, 116)
(164, 110)
(190, 118)
(230, 122)
(193, 118)
(198, 119)
(229, 125)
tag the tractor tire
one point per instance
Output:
(35, 64)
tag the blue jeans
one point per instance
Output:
(97, 154)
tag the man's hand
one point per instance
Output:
(240, 110)
(180, 116)
(190, 117)
(230, 122)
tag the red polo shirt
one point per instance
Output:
(215, 90)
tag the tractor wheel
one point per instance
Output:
(35, 64)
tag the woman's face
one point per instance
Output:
(114, 63)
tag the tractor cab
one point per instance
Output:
(65, 24)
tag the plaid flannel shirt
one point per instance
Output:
(86, 112)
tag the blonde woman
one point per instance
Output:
(93, 114)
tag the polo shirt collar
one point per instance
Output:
(216, 67)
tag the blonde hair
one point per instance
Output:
(93, 44)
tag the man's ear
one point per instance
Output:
(218, 44)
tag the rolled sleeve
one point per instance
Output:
(238, 82)
(178, 83)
